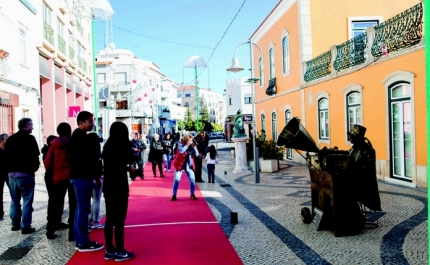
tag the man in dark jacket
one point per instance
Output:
(83, 162)
(22, 160)
(138, 147)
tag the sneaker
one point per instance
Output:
(124, 256)
(97, 225)
(93, 246)
(90, 224)
(173, 198)
(193, 197)
(26, 231)
(109, 256)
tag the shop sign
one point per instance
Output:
(73, 111)
(247, 118)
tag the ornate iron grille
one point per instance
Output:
(351, 53)
(61, 45)
(318, 67)
(71, 53)
(48, 33)
(399, 32)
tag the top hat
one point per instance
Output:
(357, 131)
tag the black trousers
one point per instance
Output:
(198, 168)
(116, 212)
(56, 208)
(159, 162)
(3, 180)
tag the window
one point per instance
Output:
(101, 78)
(247, 99)
(288, 117)
(60, 28)
(263, 122)
(25, 113)
(274, 127)
(271, 63)
(230, 102)
(187, 95)
(121, 78)
(353, 103)
(323, 118)
(187, 104)
(358, 27)
(23, 46)
(261, 71)
(285, 55)
(46, 13)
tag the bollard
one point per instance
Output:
(234, 218)
(225, 172)
(232, 152)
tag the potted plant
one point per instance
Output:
(250, 151)
(271, 154)
(3, 54)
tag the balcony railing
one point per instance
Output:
(399, 32)
(61, 45)
(318, 67)
(79, 27)
(351, 52)
(71, 53)
(48, 33)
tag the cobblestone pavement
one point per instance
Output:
(270, 230)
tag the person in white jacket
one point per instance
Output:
(211, 159)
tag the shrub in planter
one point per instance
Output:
(269, 150)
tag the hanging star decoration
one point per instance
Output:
(384, 49)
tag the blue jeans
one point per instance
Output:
(95, 206)
(190, 174)
(21, 187)
(167, 159)
(83, 190)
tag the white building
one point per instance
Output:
(21, 30)
(136, 92)
(238, 97)
(214, 102)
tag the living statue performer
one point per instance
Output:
(238, 129)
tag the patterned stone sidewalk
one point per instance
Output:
(270, 230)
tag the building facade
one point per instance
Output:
(363, 72)
(136, 92)
(65, 64)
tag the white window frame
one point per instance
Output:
(46, 13)
(247, 99)
(351, 88)
(274, 117)
(261, 68)
(101, 78)
(263, 121)
(361, 19)
(60, 28)
(23, 46)
(121, 78)
(285, 52)
(272, 73)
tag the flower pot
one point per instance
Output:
(269, 165)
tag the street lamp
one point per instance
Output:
(235, 67)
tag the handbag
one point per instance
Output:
(179, 160)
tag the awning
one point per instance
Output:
(271, 89)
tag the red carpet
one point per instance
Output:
(160, 231)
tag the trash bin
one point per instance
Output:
(232, 152)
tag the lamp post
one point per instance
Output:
(236, 68)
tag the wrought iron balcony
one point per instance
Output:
(61, 45)
(351, 53)
(80, 61)
(399, 32)
(318, 67)
(271, 89)
(79, 27)
(48, 33)
(71, 53)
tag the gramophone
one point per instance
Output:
(332, 203)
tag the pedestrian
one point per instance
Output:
(201, 147)
(3, 172)
(211, 159)
(138, 147)
(117, 157)
(94, 219)
(22, 161)
(156, 155)
(83, 172)
(57, 163)
(184, 162)
(167, 151)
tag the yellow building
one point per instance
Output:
(337, 63)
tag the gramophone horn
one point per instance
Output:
(295, 136)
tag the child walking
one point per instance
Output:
(211, 159)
